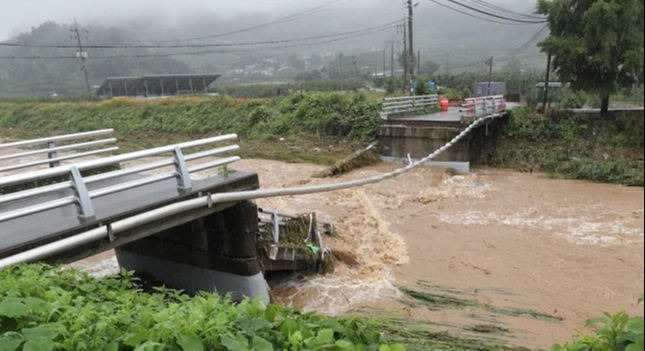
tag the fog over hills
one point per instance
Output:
(452, 39)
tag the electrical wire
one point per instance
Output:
(179, 46)
(499, 8)
(476, 16)
(355, 34)
(472, 8)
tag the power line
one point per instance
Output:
(511, 54)
(332, 40)
(472, 8)
(288, 18)
(476, 16)
(183, 46)
(499, 8)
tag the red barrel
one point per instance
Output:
(444, 103)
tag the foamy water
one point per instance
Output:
(579, 230)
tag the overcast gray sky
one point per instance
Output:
(19, 15)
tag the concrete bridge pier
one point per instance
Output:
(213, 253)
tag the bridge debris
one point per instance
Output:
(288, 242)
(360, 158)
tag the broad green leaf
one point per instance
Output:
(344, 345)
(397, 347)
(113, 346)
(325, 336)
(288, 327)
(13, 308)
(190, 343)
(636, 325)
(10, 341)
(150, 346)
(233, 344)
(385, 348)
(38, 344)
(261, 344)
(38, 333)
(37, 305)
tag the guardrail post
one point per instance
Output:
(184, 183)
(83, 200)
(276, 227)
(52, 154)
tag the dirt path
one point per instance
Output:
(520, 250)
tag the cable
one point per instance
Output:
(475, 16)
(345, 37)
(511, 54)
(499, 8)
(178, 46)
(289, 18)
(493, 14)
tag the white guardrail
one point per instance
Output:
(22, 159)
(483, 106)
(405, 104)
(83, 198)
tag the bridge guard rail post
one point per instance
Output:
(52, 154)
(83, 200)
(184, 183)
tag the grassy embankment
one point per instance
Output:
(591, 147)
(318, 127)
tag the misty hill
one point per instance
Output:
(451, 39)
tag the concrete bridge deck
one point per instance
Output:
(22, 233)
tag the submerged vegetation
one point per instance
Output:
(48, 308)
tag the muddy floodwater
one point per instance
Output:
(534, 256)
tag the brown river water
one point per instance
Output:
(569, 249)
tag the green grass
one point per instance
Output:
(329, 116)
(48, 308)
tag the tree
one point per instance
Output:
(430, 67)
(597, 45)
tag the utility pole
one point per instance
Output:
(546, 83)
(340, 70)
(490, 73)
(82, 54)
(392, 60)
(405, 58)
(383, 63)
(411, 49)
(418, 63)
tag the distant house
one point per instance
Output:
(155, 85)
(496, 88)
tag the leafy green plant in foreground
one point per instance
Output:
(49, 308)
(617, 332)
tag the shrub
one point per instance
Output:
(46, 308)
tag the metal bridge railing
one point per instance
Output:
(406, 104)
(483, 106)
(83, 197)
(52, 149)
